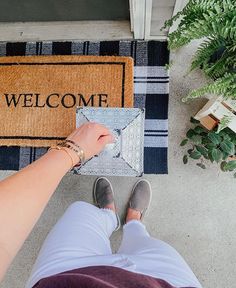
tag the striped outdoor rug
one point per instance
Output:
(151, 88)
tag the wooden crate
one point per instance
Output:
(215, 110)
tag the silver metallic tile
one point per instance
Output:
(125, 156)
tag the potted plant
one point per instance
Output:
(214, 21)
(217, 145)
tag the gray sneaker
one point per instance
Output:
(103, 195)
(141, 196)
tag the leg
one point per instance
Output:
(134, 236)
(155, 258)
(151, 256)
(83, 231)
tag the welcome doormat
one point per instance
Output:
(151, 91)
(39, 94)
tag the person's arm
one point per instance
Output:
(24, 195)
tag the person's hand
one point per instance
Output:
(92, 138)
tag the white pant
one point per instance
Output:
(81, 239)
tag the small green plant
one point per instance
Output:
(210, 146)
(214, 21)
(224, 122)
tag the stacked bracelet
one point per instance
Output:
(78, 150)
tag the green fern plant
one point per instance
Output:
(214, 21)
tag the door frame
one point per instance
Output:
(64, 30)
(141, 16)
(138, 27)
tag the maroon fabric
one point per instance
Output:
(101, 277)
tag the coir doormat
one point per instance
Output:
(151, 91)
(39, 94)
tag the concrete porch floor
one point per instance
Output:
(192, 209)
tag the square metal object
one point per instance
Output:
(125, 156)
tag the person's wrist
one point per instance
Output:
(68, 153)
(76, 147)
(61, 157)
(74, 155)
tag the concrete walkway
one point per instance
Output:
(192, 209)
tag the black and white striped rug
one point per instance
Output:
(151, 91)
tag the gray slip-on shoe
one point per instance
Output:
(103, 195)
(141, 196)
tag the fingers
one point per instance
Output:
(104, 140)
(101, 129)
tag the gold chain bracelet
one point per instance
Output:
(79, 151)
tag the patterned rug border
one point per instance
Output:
(151, 90)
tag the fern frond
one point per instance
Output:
(225, 86)
(205, 51)
(232, 48)
(215, 22)
(218, 68)
(203, 18)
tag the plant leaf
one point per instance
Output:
(235, 175)
(195, 155)
(205, 140)
(216, 154)
(225, 135)
(210, 146)
(190, 151)
(190, 133)
(194, 121)
(222, 166)
(225, 155)
(204, 134)
(203, 151)
(224, 122)
(197, 139)
(215, 138)
(201, 165)
(199, 129)
(213, 21)
(185, 159)
(184, 142)
(231, 165)
(210, 156)
(227, 147)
